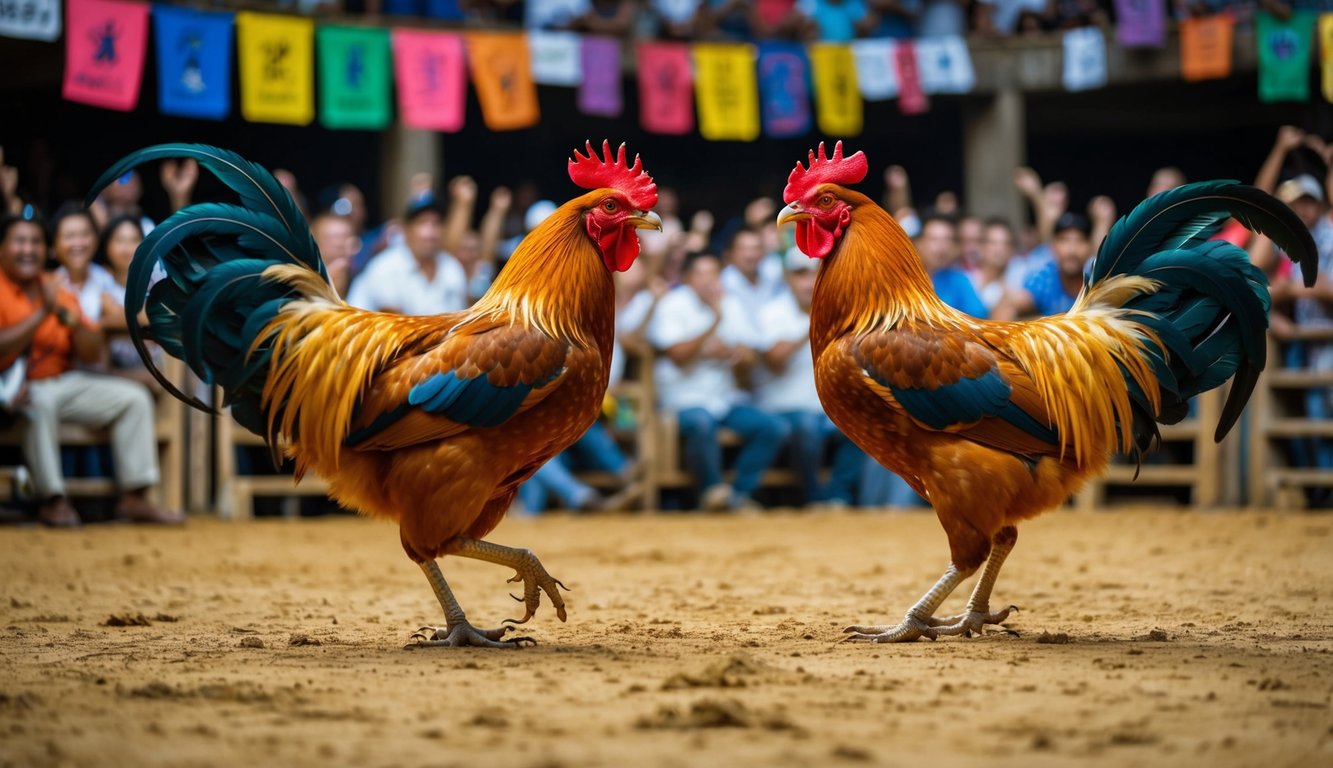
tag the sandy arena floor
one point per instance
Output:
(1147, 638)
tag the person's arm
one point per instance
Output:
(462, 204)
(1101, 212)
(179, 178)
(88, 342)
(686, 352)
(1028, 184)
(15, 338)
(777, 356)
(1262, 254)
(9, 187)
(635, 340)
(1289, 137)
(492, 223)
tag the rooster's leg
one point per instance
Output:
(528, 569)
(457, 631)
(978, 612)
(917, 622)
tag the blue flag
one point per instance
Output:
(193, 62)
(784, 89)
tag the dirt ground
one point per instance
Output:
(1146, 638)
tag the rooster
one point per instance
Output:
(432, 421)
(997, 422)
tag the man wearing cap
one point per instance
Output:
(785, 386)
(1052, 288)
(416, 276)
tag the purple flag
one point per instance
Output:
(784, 93)
(1140, 23)
(600, 91)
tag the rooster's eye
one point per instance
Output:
(825, 201)
(609, 206)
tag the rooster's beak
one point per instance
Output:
(646, 220)
(792, 212)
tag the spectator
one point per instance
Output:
(417, 277)
(752, 277)
(10, 200)
(970, 231)
(115, 250)
(993, 277)
(707, 343)
(1052, 289)
(74, 244)
(335, 236)
(788, 388)
(675, 18)
(938, 246)
(833, 21)
(893, 19)
(44, 323)
(612, 18)
(553, 14)
(121, 198)
(942, 18)
(725, 20)
(1002, 18)
(596, 450)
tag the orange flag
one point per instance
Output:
(502, 74)
(1205, 47)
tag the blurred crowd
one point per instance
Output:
(835, 21)
(713, 317)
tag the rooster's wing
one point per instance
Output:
(951, 381)
(478, 377)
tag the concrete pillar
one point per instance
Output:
(403, 152)
(994, 144)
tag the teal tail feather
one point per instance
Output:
(1211, 310)
(212, 304)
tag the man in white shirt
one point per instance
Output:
(416, 277)
(751, 276)
(705, 339)
(786, 387)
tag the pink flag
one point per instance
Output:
(911, 97)
(431, 77)
(105, 41)
(666, 88)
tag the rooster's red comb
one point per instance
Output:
(824, 170)
(592, 172)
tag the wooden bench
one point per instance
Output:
(1203, 476)
(235, 492)
(1277, 417)
(170, 431)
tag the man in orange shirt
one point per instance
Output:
(42, 321)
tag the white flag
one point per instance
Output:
(945, 64)
(30, 19)
(875, 71)
(557, 57)
(1085, 59)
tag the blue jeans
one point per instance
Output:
(596, 449)
(811, 433)
(763, 435)
(882, 488)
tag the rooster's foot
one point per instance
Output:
(536, 580)
(464, 634)
(911, 629)
(970, 623)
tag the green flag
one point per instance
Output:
(354, 77)
(1285, 52)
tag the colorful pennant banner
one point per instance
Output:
(502, 75)
(105, 47)
(1205, 47)
(354, 77)
(1285, 49)
(30, 19)
(193, 62)
(838, 106)
(431, 76)
(784, 96)
(666, 88)
(277, 68)
(727, 91)
(1140, 23)
(600, 91)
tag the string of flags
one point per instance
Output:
(291, 70)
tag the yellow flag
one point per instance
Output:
(838, 105)
(727, 91)
(1326, 53)
(276, 55)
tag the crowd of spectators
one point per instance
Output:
(715, 312)
(837, 21)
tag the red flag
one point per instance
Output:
(105, 43)
(911, 98)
